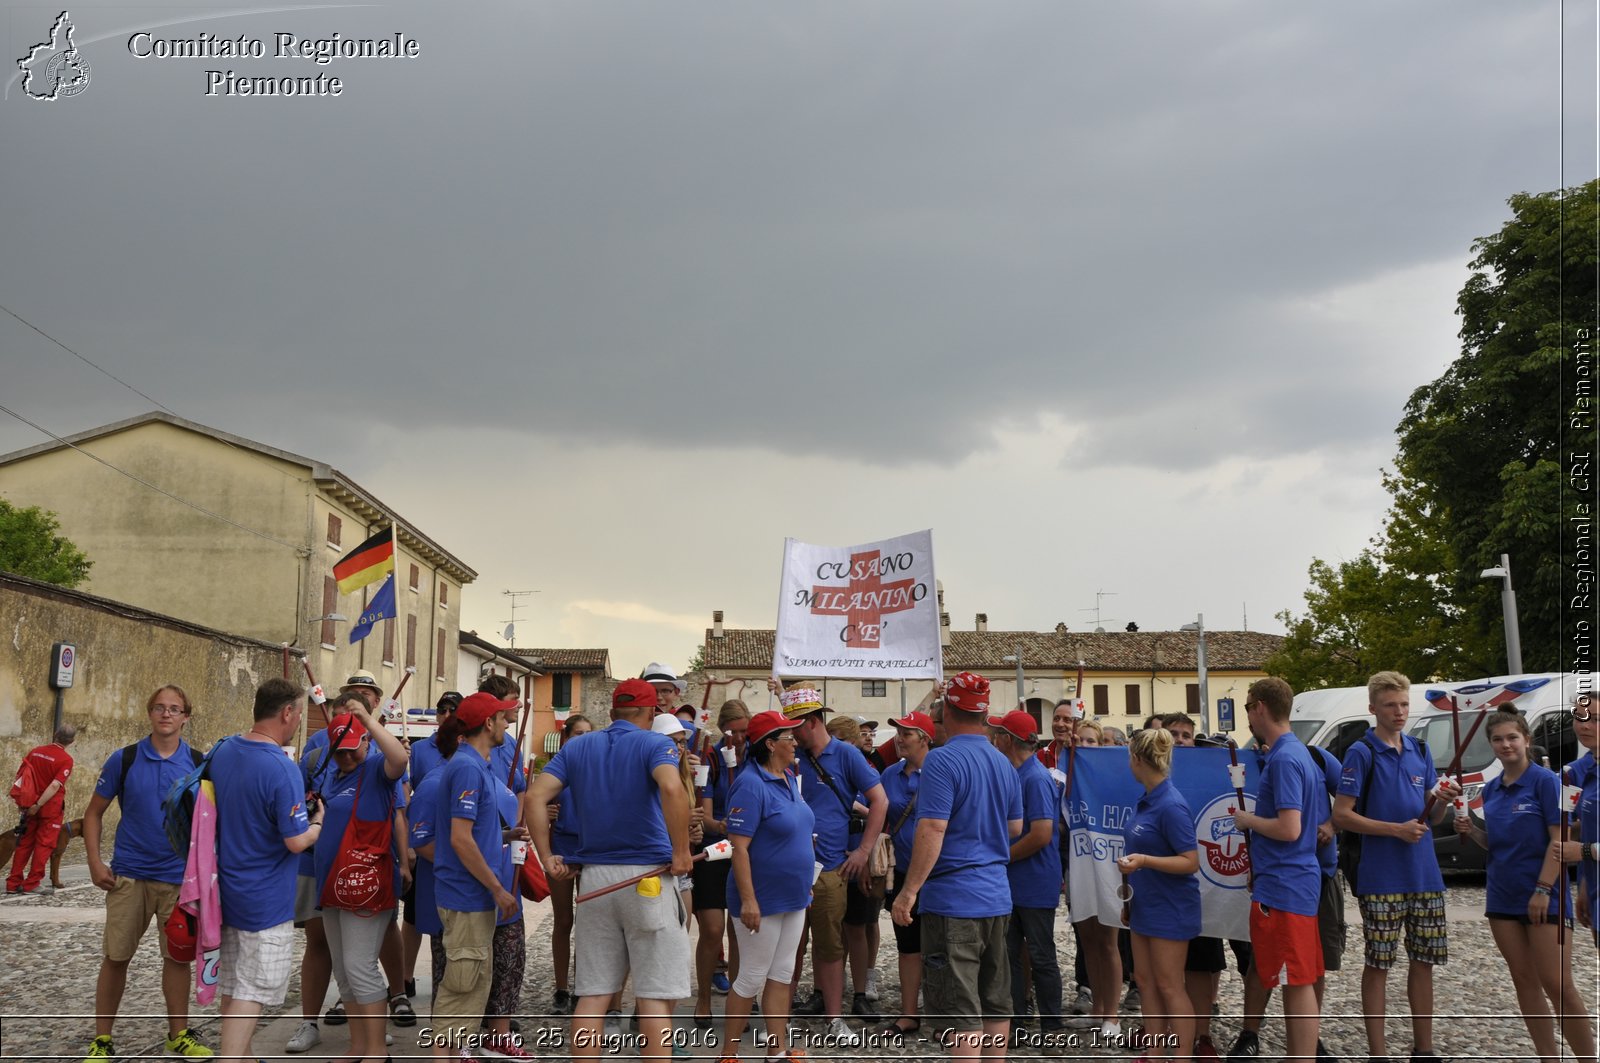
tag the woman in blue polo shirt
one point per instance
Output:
(359, 795)
(1527, 888)
(1160, 858)
(770, 826)
(1584, 850)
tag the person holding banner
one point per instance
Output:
(633, 818)
(770, 826)
(1160, 858)
(1291, 803)
(1527, 901)
(1582, 774)
(971, 809)
(1383, 788)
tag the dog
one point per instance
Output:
(71, 829)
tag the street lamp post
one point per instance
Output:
(1017, 658)
(1508, 611)
(1199, 626)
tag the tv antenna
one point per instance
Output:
(1099, 620)
(510, 633)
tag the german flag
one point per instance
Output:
(367, 563)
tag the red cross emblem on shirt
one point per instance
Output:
(864, 600)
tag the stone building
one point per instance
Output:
(252, 551)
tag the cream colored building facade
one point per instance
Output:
(1128, 676)
(260, 562)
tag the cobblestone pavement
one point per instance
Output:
(51, 954)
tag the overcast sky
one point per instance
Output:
(610, 297)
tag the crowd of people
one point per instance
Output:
(785, 836)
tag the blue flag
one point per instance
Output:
(380, 608)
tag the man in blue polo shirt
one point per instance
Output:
(261, 828)
(1034, 873)
(1291, 802)
(831, 773)
(970, 809)
(143, 879)
(633, 818)
(1385, 783)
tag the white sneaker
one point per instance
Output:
(841, 1035)
(388, 1038)
(305, 1038)
(871, 992)
(1110, 1031)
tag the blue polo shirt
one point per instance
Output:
(1583, 774)
(1517, 819)
(1036, 880)
(1288, 875)
(378, 793)
(720, 783)
(141, 849)
(973, 787)
(851, 775)
(424, 807)
(900, 784)
(260, 805)
(425, 757)
(1164, 905)
(1401, 780)
(608, 776)
(317, 768)
(467, 791)
(1332, 772)
(769, 810)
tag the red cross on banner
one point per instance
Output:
(864, 600)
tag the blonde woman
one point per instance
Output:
(1160, 858)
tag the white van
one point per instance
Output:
(1544, 699)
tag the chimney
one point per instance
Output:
(981, 622)
(944, 629)
(716, 624)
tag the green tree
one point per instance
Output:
(29, 546)
(697, 663)
(1478, 474)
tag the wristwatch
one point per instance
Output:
(1587, 851)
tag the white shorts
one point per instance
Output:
(255, 964)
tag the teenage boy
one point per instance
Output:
(142, 882)
(1385, 784)
(1291, 802)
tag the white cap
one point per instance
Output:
(667, 724)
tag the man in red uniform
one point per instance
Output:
(49, 766)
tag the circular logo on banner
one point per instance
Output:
(1224, 860)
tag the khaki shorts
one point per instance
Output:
(469, 967)
(129, 907)
(827, 917)
(966, 970)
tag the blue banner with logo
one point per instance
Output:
(1101, 801)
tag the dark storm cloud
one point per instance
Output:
(585, 218)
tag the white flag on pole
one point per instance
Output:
(850, 611)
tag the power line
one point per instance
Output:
(296, 547)
(86, 361)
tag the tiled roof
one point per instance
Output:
(1110, 651)
(567, 660)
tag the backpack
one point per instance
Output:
(177, 808)
(129, 753)
(25, 790)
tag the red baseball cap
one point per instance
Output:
(968, 692)
(179, 931)
(475, 709)
(1018, 724)
(634, 694)
(764, 723)
(919, 721)
(345, 731)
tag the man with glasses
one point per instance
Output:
(145, 874)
